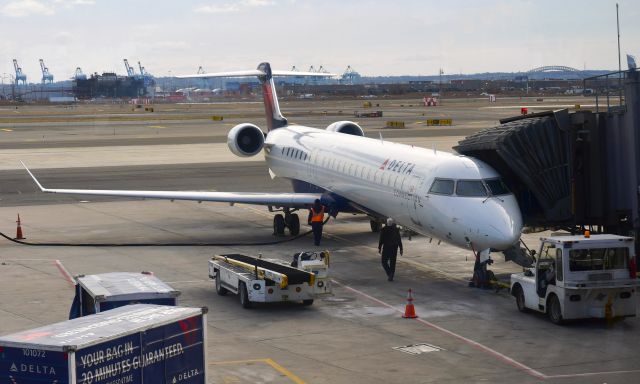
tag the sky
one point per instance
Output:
(374, 37)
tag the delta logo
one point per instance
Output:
(397, 166)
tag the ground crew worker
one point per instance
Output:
(316, 220)
(390, 242)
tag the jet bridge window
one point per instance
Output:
(471, 188)
(442, 187)
(497, 187)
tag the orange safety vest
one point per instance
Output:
(317, 217)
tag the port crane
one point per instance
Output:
(130, 71)
(19, 75)
(79, 75)
(47, 77)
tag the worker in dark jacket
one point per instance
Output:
(316, 220)
(390, 242)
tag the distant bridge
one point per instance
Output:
(553, 68)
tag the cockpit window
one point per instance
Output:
(442, 187)
(497, 187)
(471, 188)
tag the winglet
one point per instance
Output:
(43, 189)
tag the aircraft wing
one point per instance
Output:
(291, 200)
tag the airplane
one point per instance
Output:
(457, 199)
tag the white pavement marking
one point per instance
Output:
(67, 276)
(475, 344)
(590, 374)
(528, 370)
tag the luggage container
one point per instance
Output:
(135, 344)
(97, 293)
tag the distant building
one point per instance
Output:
(108, 85)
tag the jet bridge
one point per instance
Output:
(576, 170)
(531, 153)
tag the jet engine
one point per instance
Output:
(245, 140)
(347, 127)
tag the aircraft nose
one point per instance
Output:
(504, 224)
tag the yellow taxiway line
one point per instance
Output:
(270, 362)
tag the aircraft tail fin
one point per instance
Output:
(275, 119)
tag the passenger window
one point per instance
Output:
(497, 187)
(442, 187)
(470, 188)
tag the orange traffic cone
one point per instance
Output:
(19, 230)
(409, 310)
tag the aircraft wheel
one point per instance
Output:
(307, 302)
(278, 225)
(375, 226)
(294, 224)
(554, 310)
(244, 295)
(220, 290)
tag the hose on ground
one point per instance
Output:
(155, 244)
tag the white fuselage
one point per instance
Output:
(393, 180)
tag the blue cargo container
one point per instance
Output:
(135, 344)
(97, 293)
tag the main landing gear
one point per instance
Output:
(288, 220)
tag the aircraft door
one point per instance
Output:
(415, 198)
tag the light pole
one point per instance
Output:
(11, 78)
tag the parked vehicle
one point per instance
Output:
(576, 277)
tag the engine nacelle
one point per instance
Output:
(245, 140)
(346, 127)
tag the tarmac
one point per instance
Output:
(355, 336)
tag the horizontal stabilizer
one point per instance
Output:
(256, 72)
